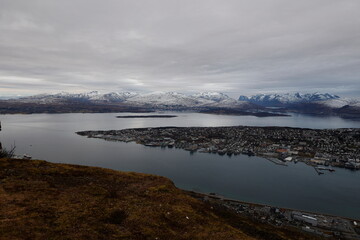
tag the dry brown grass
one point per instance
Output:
(42, 200)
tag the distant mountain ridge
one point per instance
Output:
(87, 96)
(308, 103)
(287, 98)
(153, 99)
(213, 96)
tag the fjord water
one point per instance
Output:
(52, 137)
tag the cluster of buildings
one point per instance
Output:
(327, 147)
(317, 224)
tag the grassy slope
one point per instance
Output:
(42, 200)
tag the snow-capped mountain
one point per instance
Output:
(93, 96)
(166, 99)
(153, 99)
(341, 102)
(213, 96)
(287, 98)
(310, 103)
(174, 99)
(203, 99)
(114, 96)
(316, 103)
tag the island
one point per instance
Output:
(147, 116)
(320, 148)
(237, 112)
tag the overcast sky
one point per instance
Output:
(237, 47)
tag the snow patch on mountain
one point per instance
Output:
(153, 99)
(204, 99)
(339, 103)
(287, 98)
(93, 96)
(167, 99)
(113, 96)
(213, 96)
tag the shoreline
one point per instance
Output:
(219, 197)
(250, 218)
(144, 206)
(323, 225)
(315, 147)
(147, 116)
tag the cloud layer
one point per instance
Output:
(237, 47)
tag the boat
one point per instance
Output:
(326, 169)
(25, 156)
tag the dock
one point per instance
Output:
(318, 170)
(325, 169)
(276, 161)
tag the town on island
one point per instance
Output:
(321, 148)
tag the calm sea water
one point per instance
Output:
(52, 137)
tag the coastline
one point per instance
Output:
(221, 198)
(315, 147)
(41, 199)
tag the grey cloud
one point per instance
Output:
(239, 47)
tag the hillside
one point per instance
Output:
(287, 98)
(324, 104)
(41, 200)
(158, 100)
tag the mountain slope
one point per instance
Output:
(57, 201)
(287, 98)
(113, 96)
(42, 200)
(167, 99)
(311, 103)
(93, 96)
(213, 96)
(152, 100)
(340, 102)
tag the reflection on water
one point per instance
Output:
(53, 138)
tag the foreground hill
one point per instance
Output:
(41, 200)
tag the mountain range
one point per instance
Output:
(153, 99)
(287, 98)
(311, 103)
